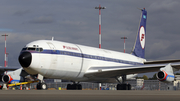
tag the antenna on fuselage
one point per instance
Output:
(52, 38)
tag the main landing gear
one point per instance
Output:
(122, 85)
(74, 86)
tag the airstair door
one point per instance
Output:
(53, 58)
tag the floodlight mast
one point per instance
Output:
(100, 23)
(5, 57)
(124, 43)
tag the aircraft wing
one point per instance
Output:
(115, 71)
(3, 69)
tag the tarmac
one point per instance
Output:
(87, 95)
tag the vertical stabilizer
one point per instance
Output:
(139, 46)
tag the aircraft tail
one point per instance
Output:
(139, 46)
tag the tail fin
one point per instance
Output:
(139, 46)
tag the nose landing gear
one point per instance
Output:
(41, 86)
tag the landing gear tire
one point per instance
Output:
(74, 87)
(123, 87)
(41, 86)
(79, 87)
(69, 87)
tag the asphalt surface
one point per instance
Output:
(88, 95)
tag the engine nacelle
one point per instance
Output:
(165, 76)
(12, 76)
(7, 78)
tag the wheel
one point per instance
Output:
(123, 87)
(43, 86)
(119, 87)
(74, 87)
(69, 87)
(38, 86)
(79, 87)
(129, 86)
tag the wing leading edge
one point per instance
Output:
(115, 71)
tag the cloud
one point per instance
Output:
(165, 6)
(21, 12)
(42, 20)
(5, 30)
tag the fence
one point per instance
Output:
(63, 85)
(147, 85)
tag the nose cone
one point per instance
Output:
(25, 59)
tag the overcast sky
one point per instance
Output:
(76, 21)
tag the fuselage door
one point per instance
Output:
(51, 46)
(53, 59)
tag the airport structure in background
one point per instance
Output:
(100, 23)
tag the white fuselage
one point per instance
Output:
(63, 60)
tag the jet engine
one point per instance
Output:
(166, 74)
(7, 78)
(12, 76)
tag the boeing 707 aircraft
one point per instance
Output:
(79, 63)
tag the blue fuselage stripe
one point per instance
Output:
(60, 52)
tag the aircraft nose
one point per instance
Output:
(25, 59)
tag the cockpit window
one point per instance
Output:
(33, 49)
(24, 49)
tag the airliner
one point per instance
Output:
(78, 63)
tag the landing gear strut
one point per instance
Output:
(41, 85)
(122, 85)
(74, 86)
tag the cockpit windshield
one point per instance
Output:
(33, 49)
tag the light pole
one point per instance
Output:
(124, 42)
(100, 23)
(5, 60)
